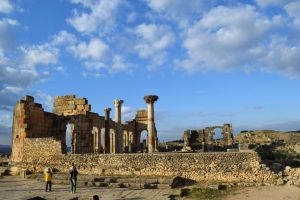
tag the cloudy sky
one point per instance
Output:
(210, 62)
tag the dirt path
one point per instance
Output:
(13, 187)
(266, 193)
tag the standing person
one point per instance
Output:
(73, 178)
(48, 179)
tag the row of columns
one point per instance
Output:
(113, 141)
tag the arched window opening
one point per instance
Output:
(144, 142)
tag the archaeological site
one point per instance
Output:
(102, 147)
(35, 130)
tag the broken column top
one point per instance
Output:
(29, 98)
(106, 113)
(107, 109)
(118, 102)
(150, 98)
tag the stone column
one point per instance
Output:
(130, 142)
(186, 140)
(150, 99)
(118, 133)
(97, 139)
(106, 138)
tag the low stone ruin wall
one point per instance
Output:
(41, 147)
(208, 167)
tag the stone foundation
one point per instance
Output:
(208, 167)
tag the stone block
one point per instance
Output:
(65, 108)
(100, 179)
(63, 103)
(80, 107)
(87, 107)
(215, 187)
(114, 185)
(80, 101)
(66, 97)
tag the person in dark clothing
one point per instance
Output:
(96, 197)
(73, 178)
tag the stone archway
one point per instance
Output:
(227, 136)
(142, 141)
(68, 136)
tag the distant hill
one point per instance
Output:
(266, 136)
(5, 149)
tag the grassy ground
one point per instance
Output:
(285, 157)
(204, 193)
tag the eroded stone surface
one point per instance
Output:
(38, 132)
(202, 139)
(207, 167)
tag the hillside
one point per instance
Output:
(267, 136)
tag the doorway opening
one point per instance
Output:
(69, 147)
(144, 142)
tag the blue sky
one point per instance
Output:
(210, 62)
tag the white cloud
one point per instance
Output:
(96, 49)
(94, 65)
(153, 40)
(226, 37)
(92, 74)
(60, 69)
(266, 3)
(181, 11)
(293, 9)
(8, 21)
(9, 96)
(18, 73)
(6, 119)
(118, 64)
(46, 100)
(17, 76)
(6, 6)
(131, 17)
(99, 18)
(5, 132)
(44, 54)
(128, 113)
(63, 37)
(6, 35)
(283, 57)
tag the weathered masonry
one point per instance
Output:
(204, 167)
(89, 132)
(203, 140)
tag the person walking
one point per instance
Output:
(48, 179)
(73, 178)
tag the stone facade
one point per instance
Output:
(202, 139)
(208, 167)
(89, 132)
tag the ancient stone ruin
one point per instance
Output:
(35, 130)
(39, 140)
(202, 139)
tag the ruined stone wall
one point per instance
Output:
(42, 148)
(30, 121)
(220, 167)
(70, 105)
(89, 132)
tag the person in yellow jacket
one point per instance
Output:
(48, 179)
